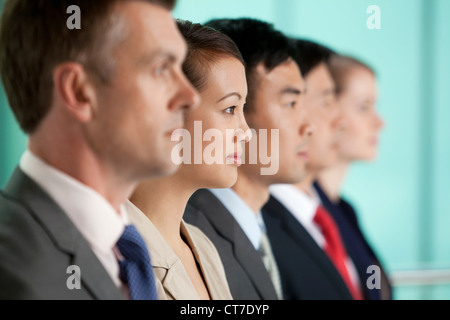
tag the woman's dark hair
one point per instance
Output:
(205, 46)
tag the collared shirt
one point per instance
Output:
(303, 207)
(250, 222)
(91, 214)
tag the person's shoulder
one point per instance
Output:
(9, 204)
(197, 235)
(212, 263)
(16, 220)
(29, 255)
(201, 240)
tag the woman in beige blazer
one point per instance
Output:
(186, 264)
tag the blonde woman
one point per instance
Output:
(356, 89)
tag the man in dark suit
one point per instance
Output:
(99, 105)
(231, 218)
(299, 242)
(358, 247)
(307, 273)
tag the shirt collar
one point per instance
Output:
(92, 214)
(249, 221)
(302, 206)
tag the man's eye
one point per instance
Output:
(292, 104)
(161, 69)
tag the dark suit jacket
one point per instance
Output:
(306, 271)
(38, 243)
(357, 245)
(246, 275)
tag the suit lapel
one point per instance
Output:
(243, 250)
(64, 235)
(94, 277)
(167, 267)
(297, 232)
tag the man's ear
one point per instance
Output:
(74, 90)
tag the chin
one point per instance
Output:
(368, 155)
(229, 181)
(371, 157)
(221, 179)
(165, 169)
(293, 177)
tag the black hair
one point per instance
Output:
(259, 43)
(310, 54)
(257, 40)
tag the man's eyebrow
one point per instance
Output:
(230, 95)
(151, 56)
(291, 90)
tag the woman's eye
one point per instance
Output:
(230, 110)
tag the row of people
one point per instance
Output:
(98, 187)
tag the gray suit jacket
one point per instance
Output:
(38, 243)
(246, 275)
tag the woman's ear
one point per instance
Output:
(74, 90)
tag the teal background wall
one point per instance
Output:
(12, 140)
(403, 197)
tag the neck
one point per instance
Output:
(163, 201)
(254, 193)
(307, 183)
(331, 180)
(74, 157)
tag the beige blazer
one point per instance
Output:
(172, 281)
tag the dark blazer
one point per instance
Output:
(246, 275)
(38, 243)
(357, 246)
(306, 271)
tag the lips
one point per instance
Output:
(235, 158)
(304, 154)
(302, 151)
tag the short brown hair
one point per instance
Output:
(34, 38)
(205, 46)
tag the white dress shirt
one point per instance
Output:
(303, 207)
(91, 214)
(250, 222)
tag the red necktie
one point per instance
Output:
(334, 248)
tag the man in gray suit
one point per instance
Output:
(98, 88)
(231, 218)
